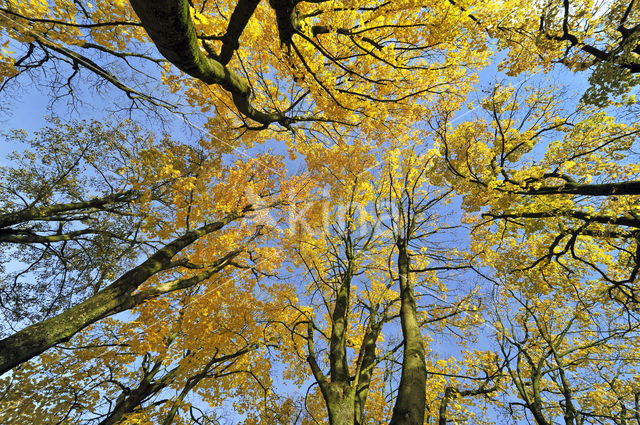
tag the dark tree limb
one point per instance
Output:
(587, 189)
(168, 23)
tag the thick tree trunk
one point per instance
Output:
(338, 392)
(340, 399)
(338, 344)
(410, 402)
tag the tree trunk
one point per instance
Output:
(340, 403)
(410, 402)
(115, 298)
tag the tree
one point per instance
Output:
(581, 35)
(360, 65)
(362, 266)
(67, 216)
(210, 346)
(350, 65)
(569, 351)
(183, 214)
(576, 204)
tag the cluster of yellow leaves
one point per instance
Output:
(355, 64)
(525, 145)
(200, 187)
(61, 22)
(184, 331)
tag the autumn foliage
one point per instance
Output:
(303, 212)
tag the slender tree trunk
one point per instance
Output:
(410, 402)
(364, 368)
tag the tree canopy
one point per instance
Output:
(321, 212)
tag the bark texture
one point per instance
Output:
(410, 402)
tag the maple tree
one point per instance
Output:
(211, 341)
(569, 352)
(565, 186)
(334, 63)
(375, 263)
(326, 73)
(176, 217)
(151, 286)
(577, 205)
(602, 38)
